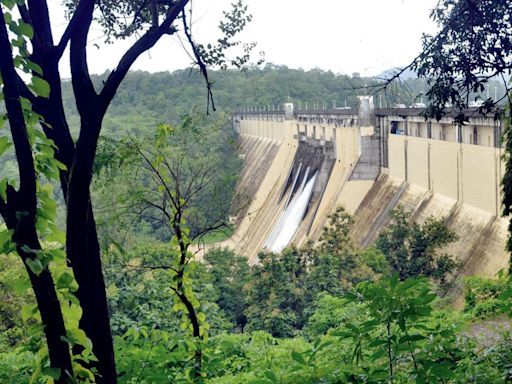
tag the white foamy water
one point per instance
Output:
(291, 217)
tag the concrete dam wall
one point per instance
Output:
(369, 166)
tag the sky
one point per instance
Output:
(344, 36)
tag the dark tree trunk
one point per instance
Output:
(84, 254)
(52, 319)
(42, 285)
(82, 242)
(19, 212)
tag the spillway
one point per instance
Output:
(290, 219)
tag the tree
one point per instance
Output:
(201, 167)
(335, 264)
(41, 102)
(412, 249)
(178, 169)
(473, 46)
(276, 293)
(395, 338)
(173, 176)
(284, 287)
(230, 275)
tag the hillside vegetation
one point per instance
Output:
(146, 99)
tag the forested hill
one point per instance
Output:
(146, 99)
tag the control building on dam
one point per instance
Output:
(300, 165)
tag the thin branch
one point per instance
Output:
(200, 63)
(138, 12)
(150, 267)
(209, 229)
(159, 176)
(132, 222)
(415, 60)
(160, 208)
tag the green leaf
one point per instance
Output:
(5, 144)
(40, 87)
(56, 234)
(28, 311)
(26, 30)
(65, 280)
(21, 285)
(412, 338)
(298, 358)
(9, 3)
(271, 376)
(6, 245)
(3, 189)
(34, 67)
(443, 369)
(7, 17)
(35, 265)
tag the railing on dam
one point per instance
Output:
(473, 112)
(480, 129)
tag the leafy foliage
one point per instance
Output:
(230, 274)
(412, 248)
(139, 292)
(351, 322)
(142, 101)
(195, 160)
(473, 46)
(396, 343)
(284, 287)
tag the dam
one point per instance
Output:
(300, 165)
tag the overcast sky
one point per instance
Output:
(345, 36)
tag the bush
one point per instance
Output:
(482, 295)
(329, 313)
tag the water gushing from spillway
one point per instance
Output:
(290, 219)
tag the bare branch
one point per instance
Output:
(158, 175)
(160, 208)
(200, 63)
(209, 229)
